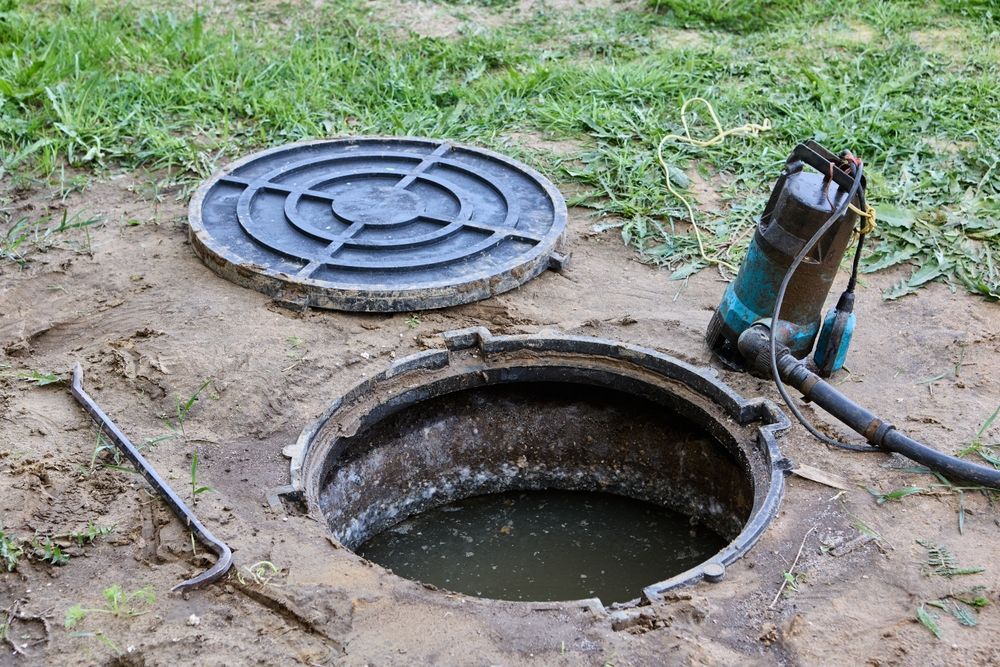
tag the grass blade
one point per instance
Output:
(928, 620)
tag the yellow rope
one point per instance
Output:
(750, 129)
(867, 219)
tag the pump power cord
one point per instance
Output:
(857, 171)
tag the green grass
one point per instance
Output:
(963, 606)
(45, 548)
(117, 602)
(988, 452)
(941, 562)
(909, 86)
(22, 237)
(929, 621)
(10, 551)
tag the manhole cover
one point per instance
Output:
(378, 224)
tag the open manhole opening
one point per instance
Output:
(570, 500)
(544, 468)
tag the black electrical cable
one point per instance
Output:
(857, 170)
(856, 265)
(853, 280)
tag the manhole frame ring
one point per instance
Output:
(703, 381)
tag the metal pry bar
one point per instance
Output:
(213, 544)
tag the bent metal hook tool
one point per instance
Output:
(108, 428)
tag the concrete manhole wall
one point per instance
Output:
(492, 414)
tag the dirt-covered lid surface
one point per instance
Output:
(378, 224)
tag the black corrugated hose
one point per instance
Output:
(756, 346)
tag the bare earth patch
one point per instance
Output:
(150, 323)
(442, 19)
(952, 43)
(707, 192)
(541, 142)
(678, 38)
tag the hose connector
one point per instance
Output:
(754, 345)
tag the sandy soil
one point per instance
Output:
(150, 323)
(445, 20)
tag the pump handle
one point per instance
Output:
(811, 153)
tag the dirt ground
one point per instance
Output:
(131, 302)
(150, 323)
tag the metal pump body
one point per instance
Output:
(792, 261)
(800, 203)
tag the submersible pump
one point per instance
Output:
(771, 315)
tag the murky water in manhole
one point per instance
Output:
(544, 545)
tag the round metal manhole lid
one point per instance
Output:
(378, 224)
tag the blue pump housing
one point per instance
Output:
(835, 336)
(800, 204)
(750, 298)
